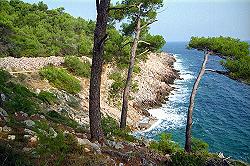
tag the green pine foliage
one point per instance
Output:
(33, 30)
(224, 46)
(78, 67)
(235, 51)
(165, 145)
(111, 129)
(239, 68)
(61, 79)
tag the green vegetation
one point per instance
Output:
(224, 46)
(51, 144)
(116, 89)
(187, 159)
(239, 68)
(199, 146)
(111, 129)
(61, 79)
(60, 119)
(48, 97)
(235, 51)
(33, 30)
(198, 157)
(19, 97)
(76, 66)
(165, 145)
(10, 156)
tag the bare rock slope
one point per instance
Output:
(154, 81)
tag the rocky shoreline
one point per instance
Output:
(154, 82)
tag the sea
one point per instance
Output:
(221, 114)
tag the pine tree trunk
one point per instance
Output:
(129, 76)
(96, 70)
(191, 105)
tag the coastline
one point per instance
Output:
(155, 85)
(154, 82)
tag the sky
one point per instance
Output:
(178, 20)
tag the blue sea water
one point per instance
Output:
(222, 106)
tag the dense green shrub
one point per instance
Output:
(47, 97)
(4, 76)
(11, 156)
(78, 67)
(34, 30)
(111, 128)
(19, 98)
(185, 159)
(61, 79)
(58, 118)
(57, 146)
(199, 146)
(165, 145)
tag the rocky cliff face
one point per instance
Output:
(154, 82)
(155, 79)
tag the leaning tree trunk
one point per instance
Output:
(191, 105)
(96, 70)
(129, 76)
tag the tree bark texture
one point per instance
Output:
(191, 105)
(96, 70)
(130, 72)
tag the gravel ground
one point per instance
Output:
(29, 64)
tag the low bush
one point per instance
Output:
(53, 149)
(4, 76)
(165, 145)
(199, 146)
(61, 79)
(47, 97)
(185, 159)
(111, 128)
(18, 97)
(58, 118)
(11, 156)
(78, 67)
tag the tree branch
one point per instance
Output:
(141, 41)
(217, 71)
(121, 8)
(126, 44)
(148, 24)
(144, 52)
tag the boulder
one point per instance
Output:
(144, 123)
(7, 129)
(52, 132)
(11, 137)
(21, 116)
(119, 145)
(30, 132)
(3, 113)
(95, 146)
(29, 123)
(116, 145)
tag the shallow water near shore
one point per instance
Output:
(222, 106)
